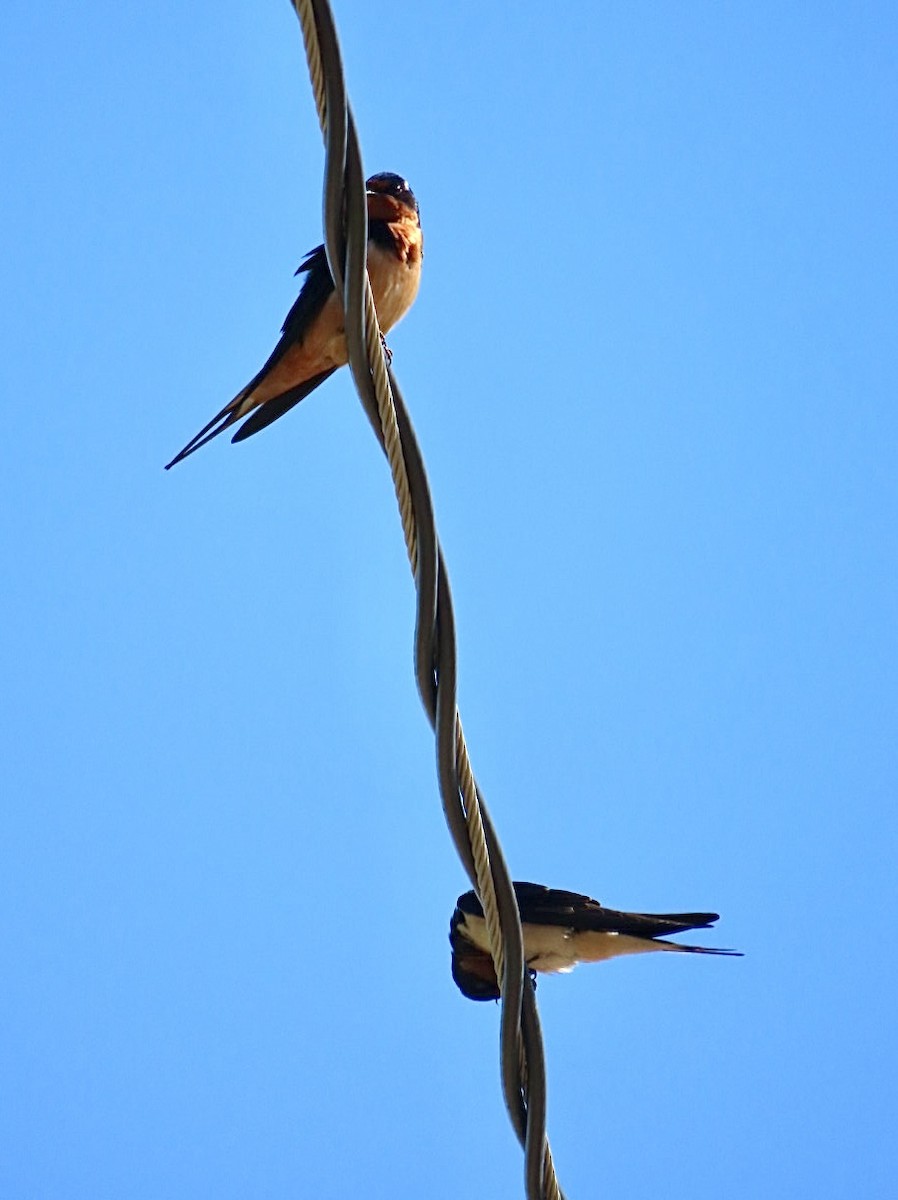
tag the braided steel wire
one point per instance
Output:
(472, 830)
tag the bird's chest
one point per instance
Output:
(394, 283)
(549, 947)
(546, 947)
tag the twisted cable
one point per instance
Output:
(467, 816)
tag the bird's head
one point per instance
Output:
(388, 184)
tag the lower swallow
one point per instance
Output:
(562, 929)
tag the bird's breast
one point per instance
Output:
(546, 947)
(394, 281)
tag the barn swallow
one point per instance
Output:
(313, 343)
(560, 930)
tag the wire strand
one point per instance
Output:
(346, 234)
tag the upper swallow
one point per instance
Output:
(313, 342)
(560, 930)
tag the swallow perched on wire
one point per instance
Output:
(313, 342)
(560, 930)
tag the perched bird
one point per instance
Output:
(313, 341)
(561, 929)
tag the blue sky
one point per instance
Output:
(653, 370)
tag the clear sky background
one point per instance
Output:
(653, 370)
